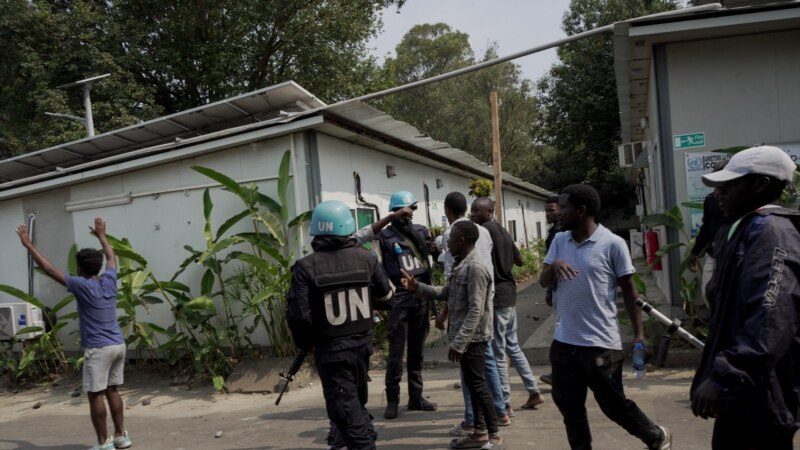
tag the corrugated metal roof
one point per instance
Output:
(252, 107)
(264, 108)
(382, 123)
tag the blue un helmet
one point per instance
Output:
(401, 199)
(332, 218)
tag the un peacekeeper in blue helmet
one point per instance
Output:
(405, 245)
(329, 310)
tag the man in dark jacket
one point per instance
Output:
(404, 245)
(748, 377)
(713, 219)
(329, 310)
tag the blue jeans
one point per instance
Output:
(505, 341)
(492, 381)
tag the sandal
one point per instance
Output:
(467, 442)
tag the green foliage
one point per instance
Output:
(457, 110)
(578, 110)
(261, 287)
(481, 187)
(532, 256)
(167, 57)
(256, 290)
(43, 355)
(47, 44)
(688, 283)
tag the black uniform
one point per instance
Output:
(408, 319)
(330, 304)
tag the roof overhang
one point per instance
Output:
(262, 117)
(361, 123)
(634, 41)
(264, 106)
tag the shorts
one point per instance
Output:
(103, 367)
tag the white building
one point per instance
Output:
(695, 81)
(139, 179)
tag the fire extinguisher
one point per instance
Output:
(651, 245)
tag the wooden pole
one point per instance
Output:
(498, 172)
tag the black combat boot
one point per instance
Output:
(420, 404)
(391, 408)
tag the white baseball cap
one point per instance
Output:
(763, 160)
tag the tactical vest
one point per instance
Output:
(406, 258)
(340, 296)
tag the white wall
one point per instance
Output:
(533, 208)
(166, 208)
(739, 91)
(166, 213)
(14, 259)
(339, 159)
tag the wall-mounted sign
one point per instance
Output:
(690, 140)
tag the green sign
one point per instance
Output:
(690, 140)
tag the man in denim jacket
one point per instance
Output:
(469, 327)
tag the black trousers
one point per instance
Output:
(738, 433)
(406, 326)
(473, 365)
(344, 384)
(577, 368)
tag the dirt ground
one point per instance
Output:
(181, 418)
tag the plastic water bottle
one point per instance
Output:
(637, 358)
(397, 249)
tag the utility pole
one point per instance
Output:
(86, 85)
(498, 172)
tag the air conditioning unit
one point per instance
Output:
(16, 316)
(629, 153)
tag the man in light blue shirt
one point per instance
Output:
(589, 262)
(101, 338)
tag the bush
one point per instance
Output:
(532, 256)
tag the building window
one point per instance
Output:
(363, 217)
(538, 230)
(512, 229)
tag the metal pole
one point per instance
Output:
(87, 105)
(646, 307)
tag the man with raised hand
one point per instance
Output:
(101, 337)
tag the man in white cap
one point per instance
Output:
(749, 375)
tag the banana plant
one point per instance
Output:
(673, 218)
(43, 355)
(273, 243)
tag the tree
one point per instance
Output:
(169, 56)
(578, 109)
(457, 111)
(194, 52)
(46, 45)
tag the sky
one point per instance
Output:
(515, 25)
